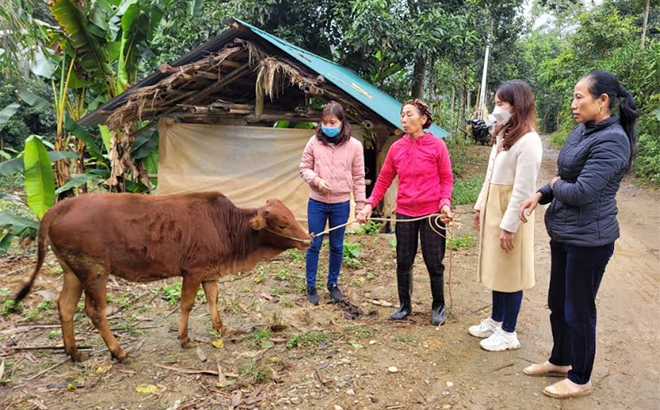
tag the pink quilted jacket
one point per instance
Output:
(342, 167)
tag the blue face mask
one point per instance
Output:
(330, 132)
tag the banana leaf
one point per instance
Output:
(39, 178)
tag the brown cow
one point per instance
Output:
(142, 238)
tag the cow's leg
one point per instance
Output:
(211, 292)
(95, 304)
(66, 304)
(188, 293)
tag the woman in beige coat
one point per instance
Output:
(506, 247)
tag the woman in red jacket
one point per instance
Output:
(421, 162)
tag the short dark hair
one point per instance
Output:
(334, 108)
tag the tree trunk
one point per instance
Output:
(469, 103)
(462, 100)
(453, 100)
(646, 21)
(418, 78)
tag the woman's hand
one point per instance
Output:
(364, 214)
(446, 215)
(506, 240)
(528, 206)
(477, 220)
(324, 187)
(555, 179)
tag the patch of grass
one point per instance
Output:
(461, 242)
(253, 374)
(171, 292)
(310, 339)
(359, 332)
(466, 191)
(232, 305)
(351, 254)
(4, 292)
(55, 334)
(287, 303)
(43, 309)
(123, 300)
(276, 320)
(393, 244)
(261, 338)
(9, 307)
(261, 275)
(370, 228)
(295, 255)
(278, 290)
(282, 274)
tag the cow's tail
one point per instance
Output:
(42, 248)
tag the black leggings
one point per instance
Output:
(407, 238)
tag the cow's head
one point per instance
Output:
(278, 220)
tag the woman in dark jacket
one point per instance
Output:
(581, 221)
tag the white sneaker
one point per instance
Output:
(485, 328)
(500, 340)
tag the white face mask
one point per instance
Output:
(501, 115)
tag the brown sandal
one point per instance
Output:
(562, 391)
(539, 370)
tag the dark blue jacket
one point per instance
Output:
(591, 165)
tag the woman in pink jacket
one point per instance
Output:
(333, 166)
(421, 162)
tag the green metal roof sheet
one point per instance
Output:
(380, 102)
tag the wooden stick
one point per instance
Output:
(46, 347)
(503, 367)
(48, 369)
(192, 371)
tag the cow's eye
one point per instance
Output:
(282, 227)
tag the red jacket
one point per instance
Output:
(425, 176)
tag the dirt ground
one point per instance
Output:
(283, 353)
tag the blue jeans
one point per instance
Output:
(506, 307)
(575, 276)
(318, 214)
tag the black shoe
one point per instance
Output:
(312, 296)
(335, 293)
(438, 313)
(404, 285)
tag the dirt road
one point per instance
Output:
(322, 360)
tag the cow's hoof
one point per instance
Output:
(78, 357)
(188, 344)
(126, 360)
(123, 357)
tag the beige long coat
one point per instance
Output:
(510, 179)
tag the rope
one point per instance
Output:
(434, 223)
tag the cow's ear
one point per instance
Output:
(258, 222)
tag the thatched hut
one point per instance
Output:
(216, 107)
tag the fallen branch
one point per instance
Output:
(46, 347)
(48, 369)
(192, 371)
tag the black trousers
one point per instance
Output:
(575, 277)
(433, 251)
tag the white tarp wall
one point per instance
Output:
(247, 164)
